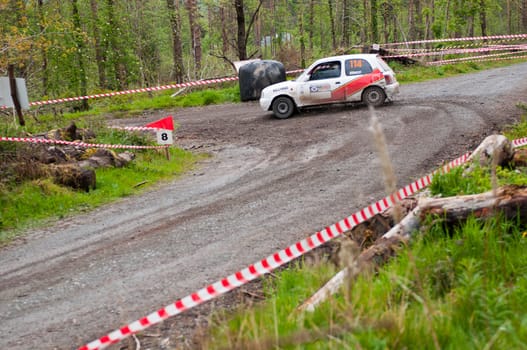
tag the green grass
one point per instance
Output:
(463, 288)
(460, 287)
(417, 73)
(127, 105)
(33, 203)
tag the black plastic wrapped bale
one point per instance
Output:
(255, 76)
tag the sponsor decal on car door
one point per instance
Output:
(359, 75)
(352, 90)
(325, 79)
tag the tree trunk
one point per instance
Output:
(100, 56)
(386, 14)
(177, 47)
(311, 28)
(374, 28)
(241, 45)
(418, 20)
(302, 39)
(195, 33)
(113, 39)
(224, 35)
(509, 17)
(332, 25)
(411, 20)
(43, 50)
(81, 51)
(346, 24)
(483, 17)
(524, 16)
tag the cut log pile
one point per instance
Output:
(67, 165)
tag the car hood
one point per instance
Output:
(282, 86)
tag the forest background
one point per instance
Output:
(81, 47)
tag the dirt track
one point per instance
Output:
(269, 183)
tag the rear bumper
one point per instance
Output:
(391, 90)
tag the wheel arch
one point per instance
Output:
(282, 95)
(373, 86)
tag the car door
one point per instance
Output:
(359, 75)
(324, 81)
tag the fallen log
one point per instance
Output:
(509, 201)
(72, 175)
(494, 150)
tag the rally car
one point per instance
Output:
(338, 79)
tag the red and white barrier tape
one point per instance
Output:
(133, 91)
(135, 128)
(442, 48)
(459, 51)
(78, 144)
(266, 265)
(478, 59)
(492, 37)
(519, 142)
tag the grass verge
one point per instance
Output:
(419, 73)
(35, 203)
(460, 287)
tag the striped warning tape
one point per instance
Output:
(268, 264)
(72, 143)
(135, 128)
(459, 51)
(495, 57)
(482, 38)
(519, 142)
(448, 47)
(133, 91)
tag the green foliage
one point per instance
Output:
(418, 73)
(518, 130)
(140, 103)
(458, 289)
(459, 182)
(124, 44)
(456, 182)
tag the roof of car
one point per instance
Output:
(357, 55)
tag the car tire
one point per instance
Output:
(374, 96)
(283, 107)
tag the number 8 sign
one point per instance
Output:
(164, 137)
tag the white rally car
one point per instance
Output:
(337, 79)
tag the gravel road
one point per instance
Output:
(268, 184)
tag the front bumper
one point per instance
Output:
(265, 102)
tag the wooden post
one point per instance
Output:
(167, 153)
(14, 95)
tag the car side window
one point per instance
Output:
(326, 70)
(357, 66)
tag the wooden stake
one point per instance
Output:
(14, 95)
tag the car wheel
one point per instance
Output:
(283, 107)
(374, 96)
